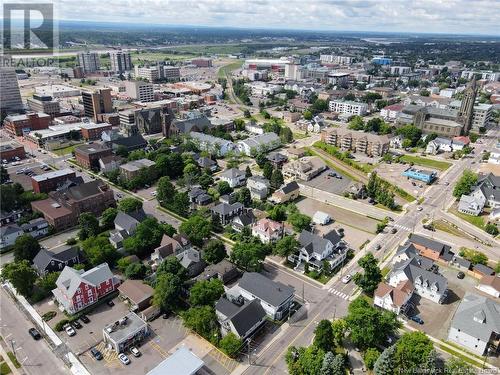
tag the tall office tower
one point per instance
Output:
(97, 102)
(89, 61)
(466, 111)
(10, 95)
(120, 61)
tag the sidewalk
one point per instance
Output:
(7, 360)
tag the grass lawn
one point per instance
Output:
(300, 136)
(425, 162)
(385, 271)
(331, 165)
(445, 227)
(4, 369)
(461, 356)
(226, 69)
(14, 359)
(65, 150)
(478, 221)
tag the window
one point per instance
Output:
(89, 293)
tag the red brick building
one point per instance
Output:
(11, 150)
(202, 63)
(92, 132)
(50, 181)
(88, 155)
(16, 124)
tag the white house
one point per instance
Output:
(259, 143)
(214, 145)
(394, 299)
(267, 230)
(476, 324)
(9, 234)
(259, 187)
(234, 177)
(490, 284)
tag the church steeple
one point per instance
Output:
(467, 107)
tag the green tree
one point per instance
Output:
(244, 197)
(108, 218)
(122, 151)
(339, 329)
(206, 292)
(333, 364)
(473, 256)
(205, 181)
(202, 320)
(385, 364)
(230, 344)
(123, 263)
(286, 246)
(21, 275)
(147, 237)
(4, 175)
(410, 132)
(369, 326)
(172, 266)
(165, 191)
(136, 271)
(492, 229)
(465, 184)
(48, 282)
(196, 228)
(214, 251)
(167, 291)
(180, 204)
(278, 213)
(299, 221)
(98, 250)
(308, 115)
(457, 366)
(89, 226)
(323, 335)
(249, 255)
(430, 364)
(25, 248)
(372, 276)
(286, 135)
(370, 357)
(129, 204)
(356, 123)
(248, 172)
(267, 170)
(276, 179)
(224, 188)
(305, 361)
(412, 350)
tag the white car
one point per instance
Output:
(123, 359)
(419, 208)
(135, 352)
(70, 331)
(153, 193)
(346, 278)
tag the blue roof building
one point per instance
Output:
(420, 174)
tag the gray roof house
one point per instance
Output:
(224, 271)
(56, 259)
(226, 212)
(259, 187)
(233, 176)
(427, 284)
(259, 143)
(486, 193)
(9, 234)
(191, 260)
(274, 297)
(241, 319)
(245, 219)
(315, 249)
(207, 163)
(125, 224)
(476, 324)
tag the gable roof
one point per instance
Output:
(10, 229)
(272, 292)
(491, 280)
(399, 294)
(232, 173)
(290, 187)
(61, 254)
(247, 316)
(413, 272)
(313, 243)
(136, 291)
(225, 209)
(129, 220)
(70, 279)
(477, 316)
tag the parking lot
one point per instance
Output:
(24, 179)
(327, 182)
(357, 228)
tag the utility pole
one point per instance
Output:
(12, 343)
(248, 351)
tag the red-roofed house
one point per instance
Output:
(391, 112)
(267, 230)
(391, 298)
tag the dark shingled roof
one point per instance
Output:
(274, 293)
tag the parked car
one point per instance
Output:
(460, 275)
(378, 246)
(419, 208)
(135, 352)
(76, 324)
(393, 230)
(35, 334)
(417, 319)
(70, 330)
(85, 319)
(110, 303)
(96, 354)
(346, 278)
(123, 359)
(165, 315)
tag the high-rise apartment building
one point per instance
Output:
(44, 103)
(120, 61)
(97, 102)
(89, 61)
(10, 95)
(139, 90)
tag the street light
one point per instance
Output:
(12, 343)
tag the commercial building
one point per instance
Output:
(138, 294)
(89, 61)
(172, 73)
(57, 91)
(305, 168)
(420, 175)
(45, 104)
(120, 61)
(88, 155)
(202, 62)
(356, 141)
(126, 332)
(10, 95)
(482, 115)
(93, 132)
(476, 324)
(181, 362)
(11, 150)
(150, 73)
(336, 60)
(133, 168)
(22, 124)
(348, 107)
(97, 102)
(139, 90)
(46, 182)
(399, 70)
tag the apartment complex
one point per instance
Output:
(89, 61)
(356, 141)
(139, 90)
(93, 132)
(97, 102)
(151, 73)
(336, 60)
(120, 61)
(172, 73)
(45, 104)
(348, 107)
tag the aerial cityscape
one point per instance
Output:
(246, 188)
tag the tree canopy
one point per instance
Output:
(21, 275)
(206, 292)
(129, 204)
(249, 255)
(371, 277)
(465, 183)
(214, 251)
(196, 228)
(89, 226)
(25, 248)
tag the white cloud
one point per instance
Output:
(443, 16)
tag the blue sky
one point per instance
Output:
(440, 16)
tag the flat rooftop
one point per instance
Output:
(181, 362)
(121, 331)
(53, 174)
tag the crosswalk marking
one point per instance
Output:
(338, 293)
(402, 227)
